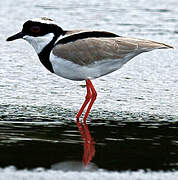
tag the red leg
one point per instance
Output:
(87, 99)
(93, 98)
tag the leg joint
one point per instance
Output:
(88, 96)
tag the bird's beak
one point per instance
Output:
(16, 36)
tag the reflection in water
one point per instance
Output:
(73, 166)
(120, 144)
(88, 142)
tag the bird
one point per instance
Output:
(81, 55)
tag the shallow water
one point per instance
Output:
(133, 126)
(120, 144)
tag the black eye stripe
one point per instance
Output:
(35, 29)
(40, 29)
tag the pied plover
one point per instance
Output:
(81, 55)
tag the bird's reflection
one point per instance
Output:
(88, 142)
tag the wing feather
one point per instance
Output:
(89, 50)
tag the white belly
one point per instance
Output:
(70, 70)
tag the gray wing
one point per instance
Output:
(89, 50)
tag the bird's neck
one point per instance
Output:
(39, 43)
(43, 46)
(44, 54)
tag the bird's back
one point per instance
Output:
(85, 51)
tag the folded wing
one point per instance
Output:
(90, 50)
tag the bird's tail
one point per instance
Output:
(147, 45)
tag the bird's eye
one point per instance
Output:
(35, 29)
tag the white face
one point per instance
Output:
(39, 42)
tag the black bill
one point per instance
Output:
(16, 36)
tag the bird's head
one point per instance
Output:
(38, 32)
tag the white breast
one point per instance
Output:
(70, 70)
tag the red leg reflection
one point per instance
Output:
(88, 143)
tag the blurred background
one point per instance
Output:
(134, 121)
